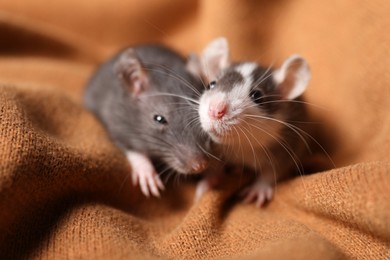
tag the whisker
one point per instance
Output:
(173, 75)
(289, 151)
(295, 101)
(174, 95)
(263, 77)
(250, 144)
(264, 148)
(299, 132)
(209, 153)
(239, 145)
(290, 126)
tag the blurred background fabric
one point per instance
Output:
(64, 187)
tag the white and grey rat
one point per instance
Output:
(254, 116)
(146, 98)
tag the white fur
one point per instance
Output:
(144, 173)
(237, 129)
(247, 141)
(301, 78)
(246, 69)
(215, 58)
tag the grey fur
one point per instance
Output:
(129, 119)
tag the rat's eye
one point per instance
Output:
(256, 96)
(160, 119)
(212, 84)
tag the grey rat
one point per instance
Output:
(146, 98)
(255, 116)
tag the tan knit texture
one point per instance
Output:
(65, 191)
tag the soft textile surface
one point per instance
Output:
(64, 187)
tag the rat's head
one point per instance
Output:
(162, 95)
(245, 102)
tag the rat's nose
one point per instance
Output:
(217, 109)
(190, 161)
(198, 164)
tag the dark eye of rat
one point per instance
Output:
(160, 119)
(256, 96)
(212, 84)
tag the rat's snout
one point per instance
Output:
(217, 109)
(190, 161)
(198, 164)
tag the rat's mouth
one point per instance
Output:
(190, 167)
(219, 129)
(220, 132)
(216, 133)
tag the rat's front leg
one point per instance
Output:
(212, 177)
(260, 190)
(143, 172)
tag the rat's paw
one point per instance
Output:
(260, 192)
(201, 188)
(149, 181)
(144, 173)
(209, 182)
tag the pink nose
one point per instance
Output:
(199, 165)
(217, 109)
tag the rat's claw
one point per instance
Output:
(153, 186)
(134, 179)
(249, 196)
(260, 200)
(150, 183)
(144, 173)
(144, 186)
(260, 191)
(159, 183)
(201, 188)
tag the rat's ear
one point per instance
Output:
(193, 65)
(292, 77)
(129, 70)
(215, 58)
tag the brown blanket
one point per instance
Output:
(64, 187)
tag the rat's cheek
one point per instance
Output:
(203, 108)
(204, 118)
(206, 125)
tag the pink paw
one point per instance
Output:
(260, 192)
(148, 180)
(202, 186)
(144, 173)
(208, 182)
